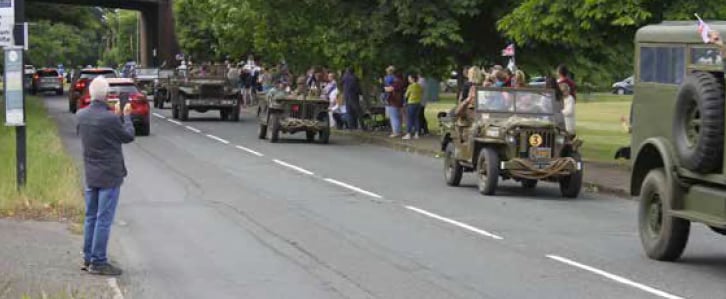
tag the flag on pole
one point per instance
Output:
(703, 29)
(508, 51)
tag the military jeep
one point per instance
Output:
(145, 79)
(677, 142)
(511, 134)
(161, 92)
(283, 112)
(203, 90)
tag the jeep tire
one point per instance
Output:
(487, 171)
(452, 169)
(183, 109)
(274, 127)
(663, 236)
(571, 185)
(698, 124)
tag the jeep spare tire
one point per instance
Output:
(698, 125)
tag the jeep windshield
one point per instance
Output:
(515, 101)
(147, 72)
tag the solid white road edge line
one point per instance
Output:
(249, 151)
(218, 139)
(114, 287)
(614, 277)
(193, 129)
(454, 222)
(354, 188)
(174, 122)
(293, 167)
(158, 115)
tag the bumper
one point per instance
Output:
(49, 87)
(292, 125)
(212, 103)
(527, 169)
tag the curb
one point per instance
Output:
(398, 145)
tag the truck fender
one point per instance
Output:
(653, 153)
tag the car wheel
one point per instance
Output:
(59, 92)
(571, 185)
(144, 129)
(620, 91)
(663, 236)
(487, 171)
(275, 128)
(452, 169)
(72, 106)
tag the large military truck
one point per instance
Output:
(202, 90)
(511, 134)
(677, 144)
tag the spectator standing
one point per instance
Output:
(427, 96)
(414, 94)
(564, 77)
(102, 135)
(394, 100)
(351, 96)
(568, 111)
(520, 80)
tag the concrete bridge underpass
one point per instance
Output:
(157, 26)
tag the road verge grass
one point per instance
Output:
(53, 184)
(598, 123)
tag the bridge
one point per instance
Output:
(158, 41)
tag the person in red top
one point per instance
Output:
(564, 77)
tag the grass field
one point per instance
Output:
(53, 189)
(598, 123)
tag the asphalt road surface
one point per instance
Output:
(210, 211)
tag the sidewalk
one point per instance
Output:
(599, 177)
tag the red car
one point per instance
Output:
(140, 111)
(80, 82)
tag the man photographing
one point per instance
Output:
(102, 133)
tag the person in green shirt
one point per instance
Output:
(414, 94)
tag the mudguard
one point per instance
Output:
(644, 162)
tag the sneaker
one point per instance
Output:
(104, 269)
(415, 136)
(84, 265)
(407, 137)
(394, 136)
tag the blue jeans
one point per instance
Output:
(100, 209)
(394, 114)
(413, 124)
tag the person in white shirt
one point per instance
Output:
(568, 111)
(336, 109)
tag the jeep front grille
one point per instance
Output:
(211, 91)
(304, 111)
(523, 144)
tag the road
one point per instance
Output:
(210, 211)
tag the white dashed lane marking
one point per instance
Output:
(354, 188)
(614, 277)
(113, 284)
(157, 115)
(174, 122)
(218, 139)
(193, 129)
(454, 222)
(250, 151)
(293, 167)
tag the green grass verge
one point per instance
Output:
(53, 185)
(598, 122)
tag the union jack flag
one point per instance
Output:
(508, 51)
(704, 29)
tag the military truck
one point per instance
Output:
(677, 142)
(511, 134)
(204, 89)
(283, 112)
(162, 93)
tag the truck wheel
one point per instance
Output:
(174, 111)
(698, 125)
(529, 184)
(452, 168)
(571, 185)
(310, 136)
(183, 109)
(262, 131)
(234, 114)
(324, 135)
(663, 236)
(487, 171)
(275, 127)
(224, 114)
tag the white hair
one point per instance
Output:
(98, 89)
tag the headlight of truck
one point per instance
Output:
(493, 132)
(560, 139)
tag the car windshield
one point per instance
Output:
(515, 101)
(49, 73)
(91, 75)
(147, 72)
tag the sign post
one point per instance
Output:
(12, 39)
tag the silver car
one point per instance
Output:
(47, 80)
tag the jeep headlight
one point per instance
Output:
(560, 139)
(493, 132)
(511, 139)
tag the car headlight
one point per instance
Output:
(493, 132)
(560, 139)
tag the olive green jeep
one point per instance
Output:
(203, 90)
(677, 136)
(511, 134)
(282, 112)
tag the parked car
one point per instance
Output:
(623, 87)
(80, 81)
(47, 79)
(537, 82)
(28, 73)
(119, 87)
